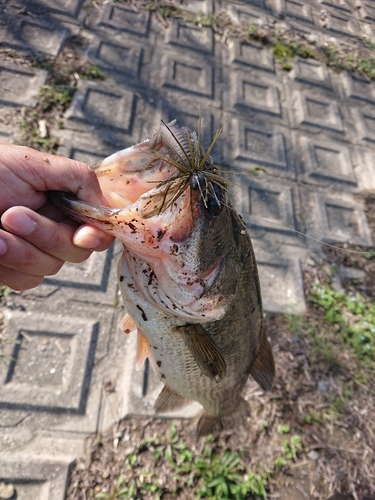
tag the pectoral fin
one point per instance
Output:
(127, 325)
(169, 400)
(205, 351)
(142, 350)
(263, 369)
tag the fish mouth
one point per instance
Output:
(161, 214)
(186, 288)
(80, 210)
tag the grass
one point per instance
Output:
(207, 474)
(346, 323)
(53, 100)
(91, 72)
(208, 470)
(56, 96)
(290, 449)
(285, 43)
(353, 317)
(4, 292)
(284, 55)
(369, 43)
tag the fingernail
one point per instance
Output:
(3, 247)
(88, 241)
(19, 223)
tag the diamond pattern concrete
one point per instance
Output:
(302, 145)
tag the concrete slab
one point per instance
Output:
(117, 114)
(20, 85)
(312, 130)
(35, 36)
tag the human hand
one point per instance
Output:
(36, 238)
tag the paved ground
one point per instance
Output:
(312, 129)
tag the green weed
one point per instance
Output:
(371, 254)
(369, 43)
(205, 19)
(3, 342)
(308, 419)
(367, 67)
(290, 449)
(284, 55)
(304, 51)
(58, 97)
(353, 317)
(208, 474)
(295, 323)
(337, 407)
(5, 291)
(284, 429)
(91, 72)
(256, 170)
(46, 64)
(323, 348)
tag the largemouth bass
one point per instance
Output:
(188, 274)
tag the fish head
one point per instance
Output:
(196, 245)
(177, 235)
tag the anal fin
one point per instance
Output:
(169, 400)
(263, 369)
(142, 350)
(205, 351)
(213, 425)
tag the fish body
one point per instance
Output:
(187, 275)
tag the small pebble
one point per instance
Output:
(311, 262)
(322, 386)
(6, 491)
(304, 472)
(313, 455)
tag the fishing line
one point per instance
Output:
(310, 237)
(201, 162)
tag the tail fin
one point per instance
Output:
(213, 425)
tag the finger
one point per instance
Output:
(29, 174)
(86, 236)
(55, 214)
(92, 238)
(22, 256)
(17, 280)
(54, 239)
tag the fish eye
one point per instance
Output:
(214, 199)
(211, 193)
(197, 181)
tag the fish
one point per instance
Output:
(187, 274)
